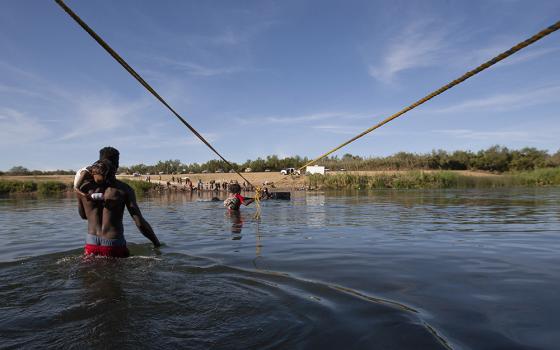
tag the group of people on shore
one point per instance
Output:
(212, 185)
(102, 200)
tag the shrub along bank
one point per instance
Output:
(434, 179)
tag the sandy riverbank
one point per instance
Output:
(279, 181)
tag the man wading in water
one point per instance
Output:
(103, 208)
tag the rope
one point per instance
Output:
(444, 88)
(137, 76)
(257, 203)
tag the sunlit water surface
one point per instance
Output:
(382, 270)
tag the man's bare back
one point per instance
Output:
(105, 218)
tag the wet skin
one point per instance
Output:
(105, 218)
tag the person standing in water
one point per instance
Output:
(105, 217)
(235, 199)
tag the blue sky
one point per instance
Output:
(272, 77)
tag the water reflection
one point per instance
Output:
(236, 219)
(103, 297)
(180, 301)
(481, 267)
(315, 210)
(258, 241)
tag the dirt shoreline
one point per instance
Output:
(273, 180)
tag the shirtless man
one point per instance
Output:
(105, 227)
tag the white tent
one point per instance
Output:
(315, 169)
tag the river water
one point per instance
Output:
(371, 270)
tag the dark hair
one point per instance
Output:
(106, 168)
(100, 167)
(234, 188)
(111, 154)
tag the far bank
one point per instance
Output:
(350, 180)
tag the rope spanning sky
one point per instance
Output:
(271, 77)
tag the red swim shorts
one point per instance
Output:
(109, 251)
(115, 248)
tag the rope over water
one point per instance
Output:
(137, 76)
(428, 97)
(444, 88)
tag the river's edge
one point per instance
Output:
(413, 179)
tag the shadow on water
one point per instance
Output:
(65, 300)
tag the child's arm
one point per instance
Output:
(81, 209)
(79, 180)
(81, 177)
(247, 201)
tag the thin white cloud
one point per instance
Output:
(313, 117)
(420, 44)
(302, 118)
(496, 136)
(339, 129)
(344, 129)
(426, 43)
(226, 38)
(155, 139)
(477, 57)
(78, 115)
(529, 55)
(505, 102)
(17, 71)
(231, 36)
(95, 115)
(10, 89)
(32, 85)
(17, 128)
(198, 69)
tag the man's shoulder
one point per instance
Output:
(122, 186)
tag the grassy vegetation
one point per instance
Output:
(414, 179)
(9, 186)
(44, 187)
(140, 187)
(433, 180)
(50, 187)
(539, 177)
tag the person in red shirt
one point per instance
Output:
(235, 199)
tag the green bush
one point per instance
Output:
(10, 186)
(140, 187)
(434, 180)
(49, 187)
(539, 177)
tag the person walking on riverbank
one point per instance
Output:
(105, 218)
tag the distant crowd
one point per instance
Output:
(187, 184)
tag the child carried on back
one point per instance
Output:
(107, 166)
(85, 175)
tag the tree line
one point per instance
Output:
(494, 159)
(20, 170)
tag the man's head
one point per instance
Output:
(234, 188)
(111, 154)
